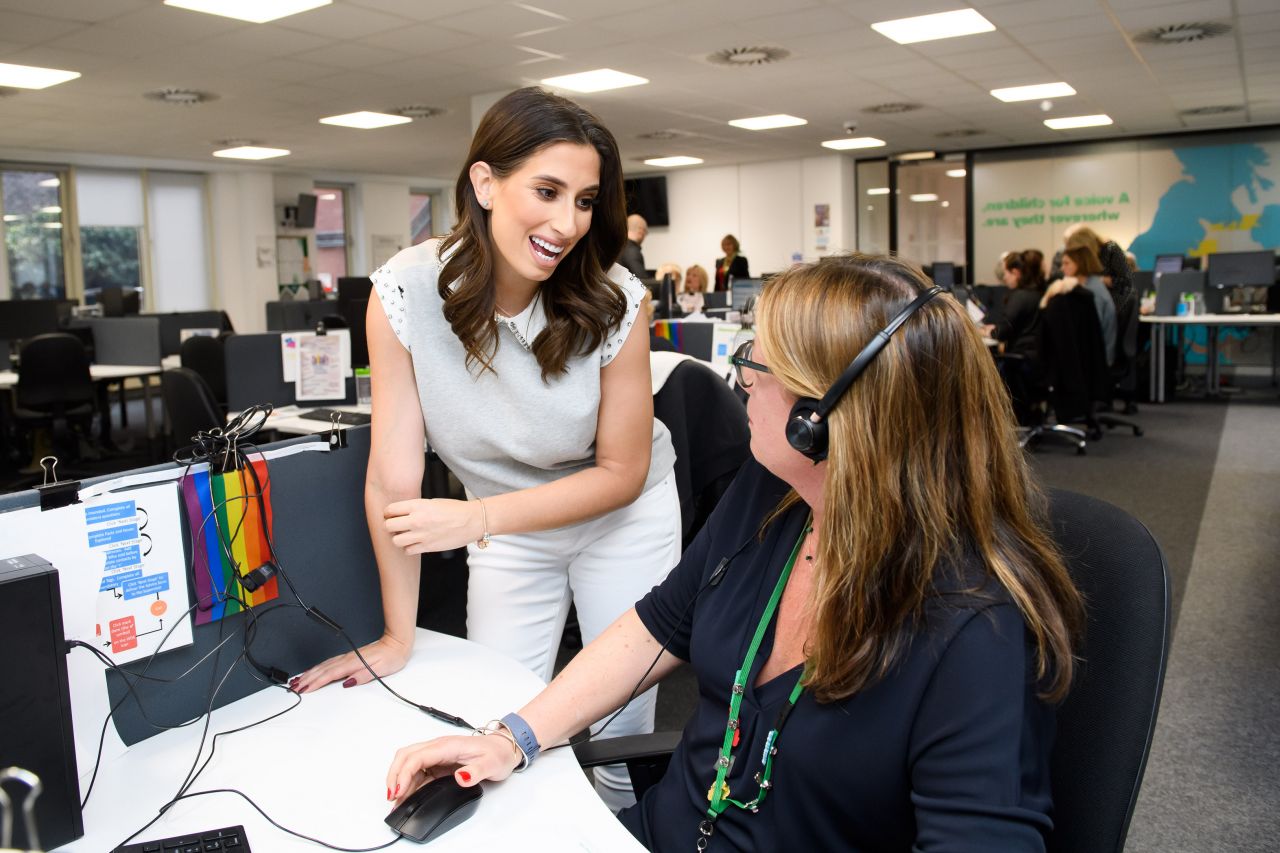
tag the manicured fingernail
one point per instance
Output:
(464, 776)
(397, 791)
(388, 793)
(350, 682)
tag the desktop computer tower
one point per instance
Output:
(35, 703)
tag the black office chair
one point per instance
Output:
(55, 391)
(190, 405)
(1073, 359)
(1105, 725)
(207, 356)
(1124, 371)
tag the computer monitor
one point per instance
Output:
(306, 217)
(715, 299)
(744, 289)
(1169, 263)
(944, 274)
(26, 318)
(1233, 269)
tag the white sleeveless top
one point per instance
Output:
(507, 429)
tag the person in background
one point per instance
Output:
(1019, 324)
(696, 280)
(1033, 277)
(689, 296)
(732, 265)
(873, 673)
(516, 346)
(632, 258)
(1082, 268)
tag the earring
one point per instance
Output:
(485, 203)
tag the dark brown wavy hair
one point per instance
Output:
(1033, 273)
(580, 301)
(924, 469)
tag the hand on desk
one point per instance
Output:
(386, 655)
(436, 524)
(470, 759)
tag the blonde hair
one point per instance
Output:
(674, 270)
(696, 268)
(923, 469)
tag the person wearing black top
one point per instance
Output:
(1019, 324)
(632, 258)
(732, 265)
(878, 620)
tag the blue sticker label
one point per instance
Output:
(110, 512)
(123, 533)
(119, 558)
(150, 585)
(116, 581)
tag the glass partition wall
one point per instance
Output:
(930, 217)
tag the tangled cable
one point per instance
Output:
(220, 446)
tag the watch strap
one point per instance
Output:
(524, 737)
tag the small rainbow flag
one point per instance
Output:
(235, 533)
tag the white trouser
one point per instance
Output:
(520, 587)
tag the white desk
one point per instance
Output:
(286, 419)
(1213, 322)
(321, 768)
(109, 373)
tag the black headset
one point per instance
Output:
(807, 423)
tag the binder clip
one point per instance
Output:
(54, 494)
(336, 437)
(321, 331)
(32, 781)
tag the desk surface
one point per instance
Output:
(97, 372)
(320, 768)
(1214, 319)
(287, 419)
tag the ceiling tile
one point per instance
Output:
(348, 55)
(419, 39)
(340, 21)
(88, 11)
(34, 29)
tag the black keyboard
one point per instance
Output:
(344, 418)
(229, 839)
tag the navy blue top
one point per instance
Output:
(949, 752)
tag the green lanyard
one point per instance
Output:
(719, 793)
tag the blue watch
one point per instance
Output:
(524, 737)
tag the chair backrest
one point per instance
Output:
(1105, 724)
(54, 373)
(189, 403)
(1073, 354)
(207, 356)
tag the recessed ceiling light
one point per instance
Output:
(1037, 92)
(851, 142)
(52, 224)
(1070, 122)
(253, 11)
(916, 155)
(600, 80)
(53, 208)
(365, 120)
(328, 196)
(943, 25)
(673, 161)
(50, 182)
(12, 217)
(878, 191)
(956, 173)
(32, 77)
(768, 122)
(251, 152)
(923, 196)
(944, 204)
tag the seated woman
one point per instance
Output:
(879, 622)
(1020, 318)
(1082, 268)
(695, 284)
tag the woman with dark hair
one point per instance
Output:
(1033, 267)
(1082, 267)
(732, 265)
(1020, 318)
(879, 622)
(513, 347)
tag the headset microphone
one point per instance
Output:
(807, 422)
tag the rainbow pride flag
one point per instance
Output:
(235, 532)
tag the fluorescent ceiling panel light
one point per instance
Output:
(850, 142)
(253, 11)
(328, 196)
(673, 161)
(768, 122)
(878, 191)
(943, 25)
(1100, 120)
(365, 120)
(944, 204)
(31, 77)
(251, 152)
(53, 225)
(50, 182)
(916, 155)
(600, 80)
(1038, 92)
(924, 196)
(956, 173)
(53, 208)
(12, 217)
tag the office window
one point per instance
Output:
(873, 206)
(420, 225)
(931, 212)
(109, 208)
(331, 235)
(179, 248)
(31, 206)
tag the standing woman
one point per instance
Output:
(513, 346)
(732, 264)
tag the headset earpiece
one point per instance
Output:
(804, 434)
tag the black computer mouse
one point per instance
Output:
(434, 809)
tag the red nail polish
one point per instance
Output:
(350, 682)
(388, 793)
(397, 791)
(464, 776)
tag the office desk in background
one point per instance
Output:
(109, 374)
(320, 769)
(289, 421)
(1213, 322)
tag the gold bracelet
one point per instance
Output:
(483, 541)
(497, 727)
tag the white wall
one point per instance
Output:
(769, 207)
(379, 221)
(242, 221)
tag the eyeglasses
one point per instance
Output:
(742, 358)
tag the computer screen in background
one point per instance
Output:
(1228, 269)
(944, 274)
(1169, 263)
(744, 289)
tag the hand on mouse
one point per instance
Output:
(386, 655)
(437, 524)
(470, 759)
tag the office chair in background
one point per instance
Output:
(55, 394)
(207, 356)
(189, 404)
(1105, 724)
